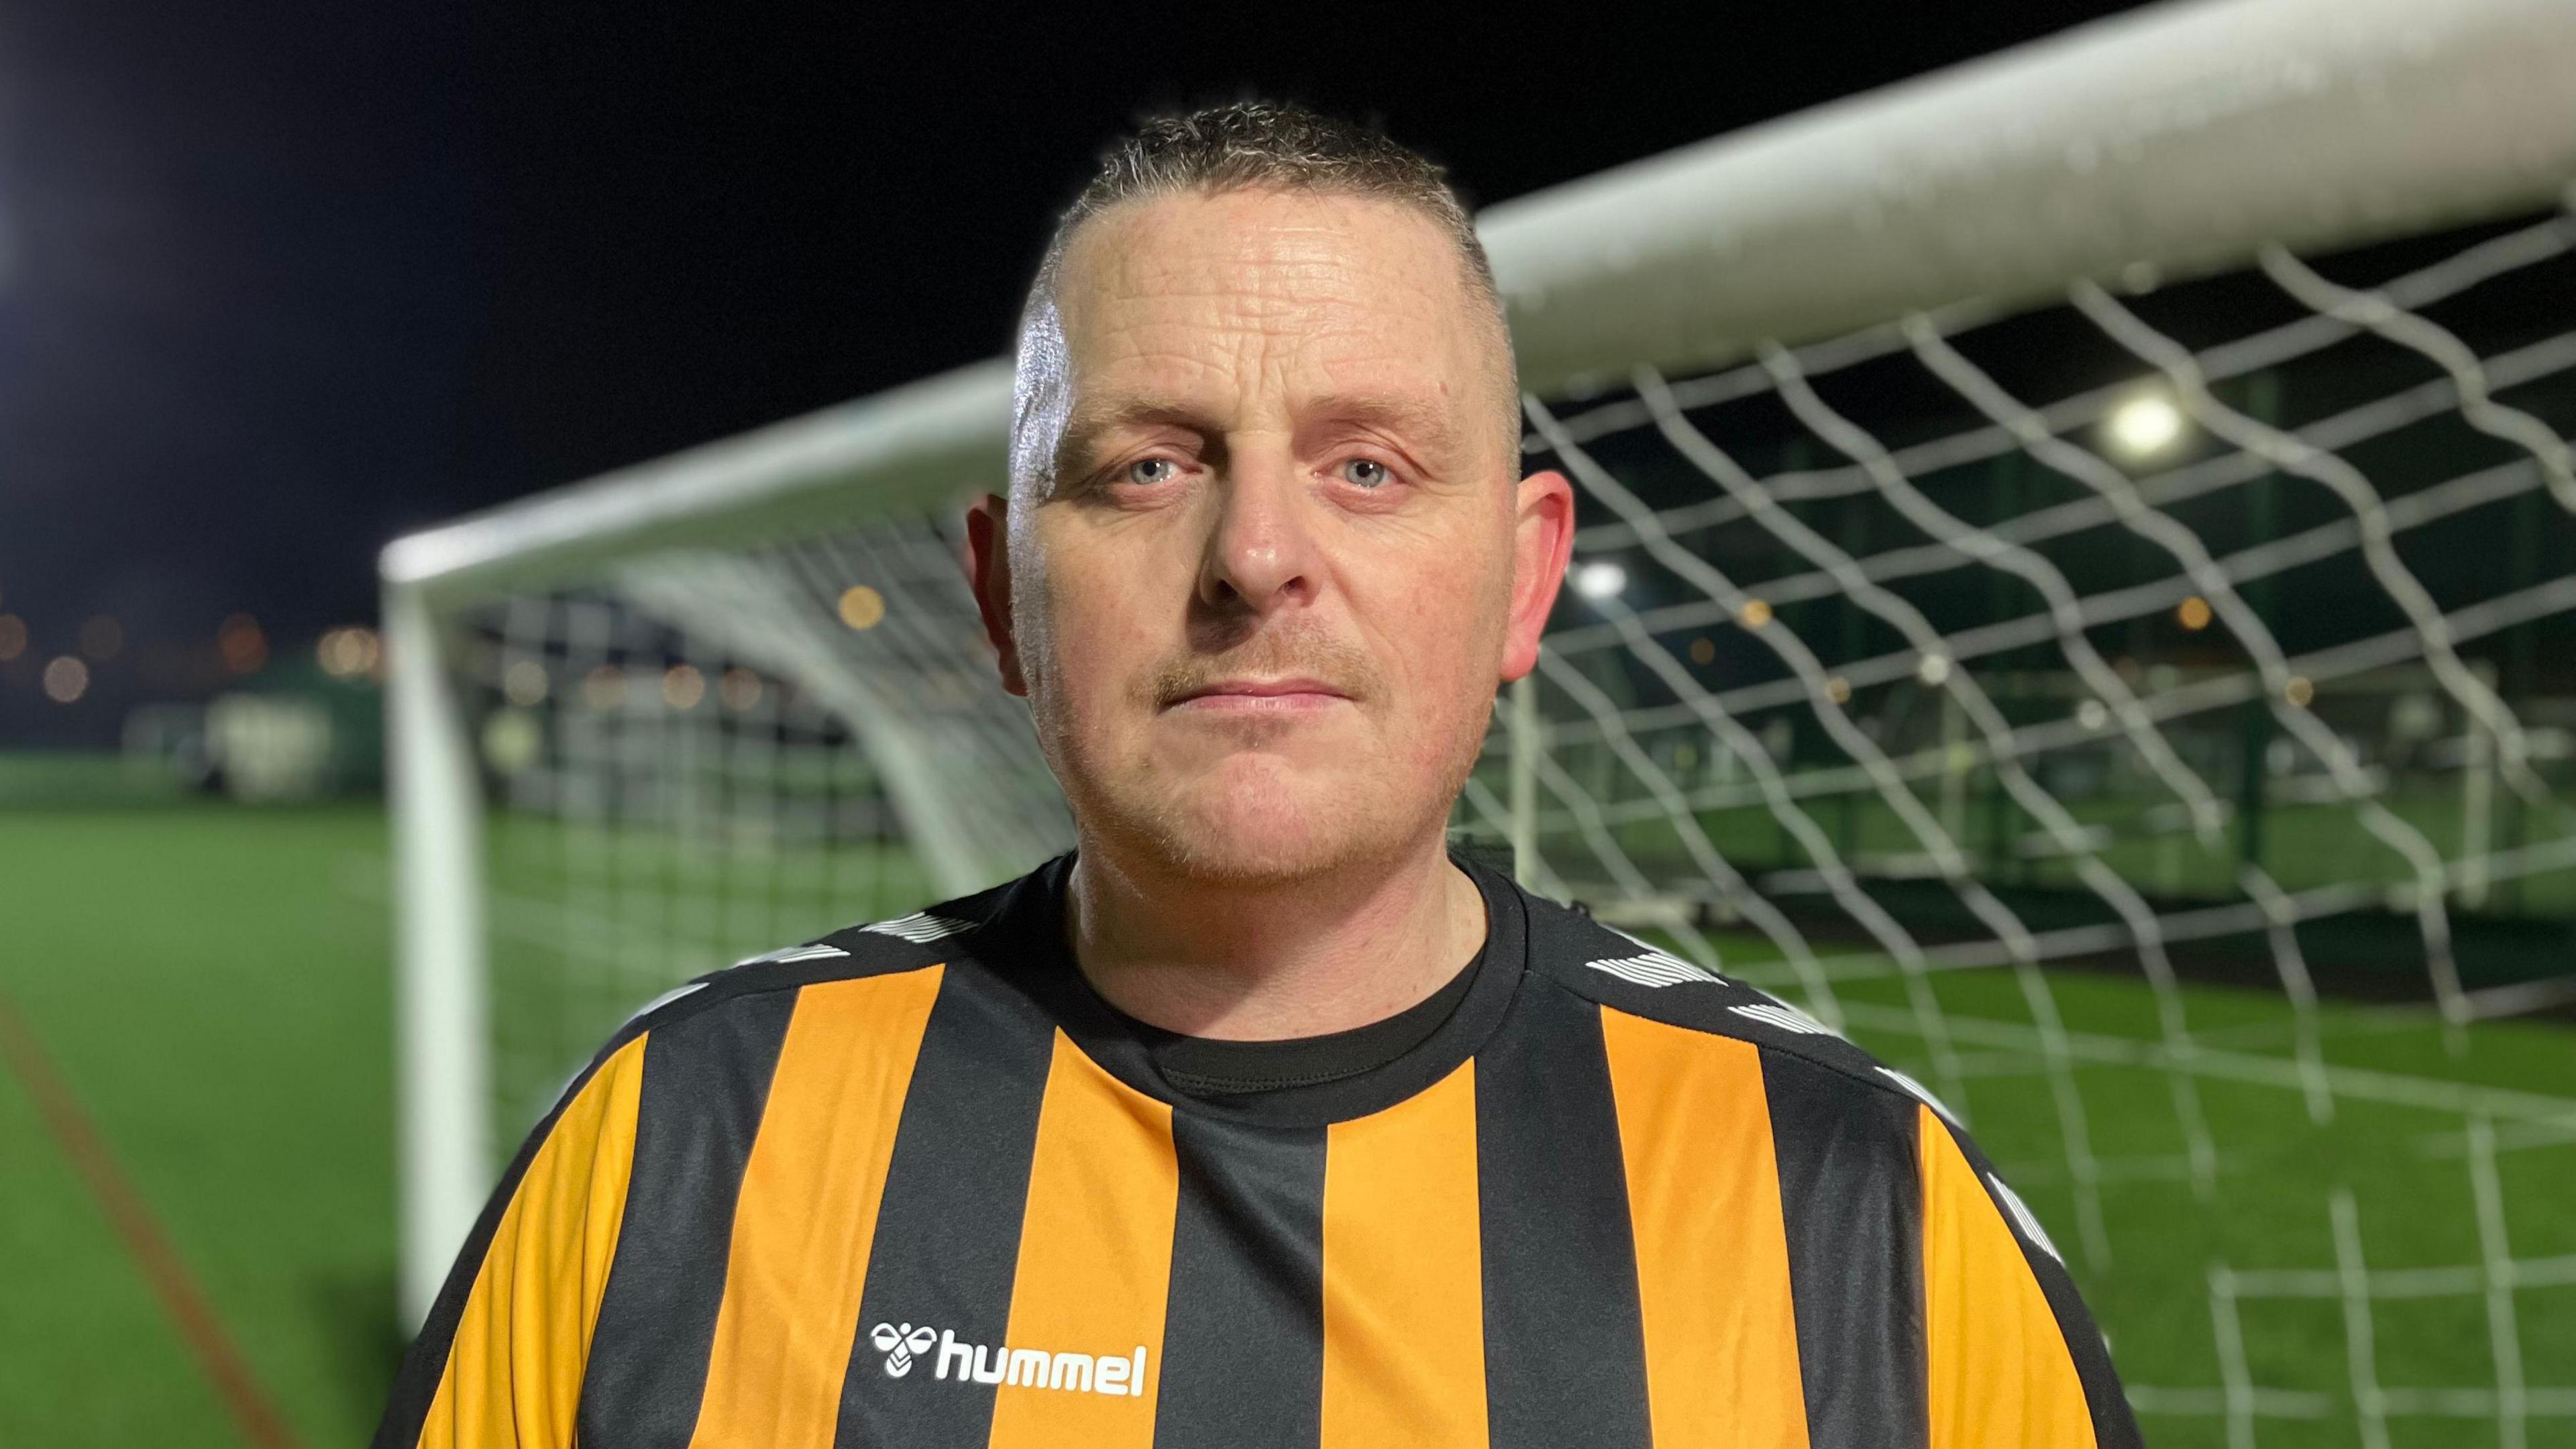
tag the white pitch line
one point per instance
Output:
(2358, 1083)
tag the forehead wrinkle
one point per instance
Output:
(1200, 321)
(1342, 344)
(1265, 267)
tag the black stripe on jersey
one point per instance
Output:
(948, 1228)
(706, 1083)
(1243, 1331)
(1565, 1347)
(425, 1362)
(2115, 1425)
(1851, 1203)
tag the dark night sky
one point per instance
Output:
(279, 280)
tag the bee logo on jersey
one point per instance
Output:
(899, 1343)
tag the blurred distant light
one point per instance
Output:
(13, 637)
(1755, 613)
(683, 686)
(243, 645)
(2092, 714)
(2415, 718)
(348, 653)
(862, 607)
(604, 688)
(102, 637)
(2144, 426)
(512, 740)
(740, 689)
(1703, 650)
(2192, 614)
(525, 683)
(66, 679)
(1599, 579)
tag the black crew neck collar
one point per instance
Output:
(1023, 942)
(1214, 1067)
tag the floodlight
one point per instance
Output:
(2144, 426)
(1599, 579)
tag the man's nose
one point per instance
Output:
(1261, 545)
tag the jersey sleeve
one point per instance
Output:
(2013, 1360)
(498, 1364)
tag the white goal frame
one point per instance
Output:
(2171, 142)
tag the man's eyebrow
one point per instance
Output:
(1418, 421)
(1096, 416)
(1415, 419)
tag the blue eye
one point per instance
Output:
(1365, 472)
(1150, 471)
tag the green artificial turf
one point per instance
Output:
(85, 1357)
(212, 982)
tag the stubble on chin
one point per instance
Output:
(1237, 823)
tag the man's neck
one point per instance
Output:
(1268, 962)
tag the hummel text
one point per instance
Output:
(1038, 1369)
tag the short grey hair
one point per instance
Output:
(1270, 146)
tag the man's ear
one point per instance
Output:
(988, 548)
(1542, 541)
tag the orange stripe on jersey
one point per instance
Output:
(1094, 1268)
(1404, 1328)
(2000, 1373)
(514, 1368)
(1712, 1259)
(808, 1212)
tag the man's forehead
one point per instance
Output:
(1180, 283)
(1283, 248)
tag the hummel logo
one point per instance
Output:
(1121, 1375)
(899, 1343)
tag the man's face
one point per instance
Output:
(1267, 556)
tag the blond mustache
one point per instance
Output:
(1336, 664)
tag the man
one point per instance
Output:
(1259, 1119)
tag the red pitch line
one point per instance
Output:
(79, 1139)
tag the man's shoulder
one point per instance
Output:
(897, 945)
(1620, 972)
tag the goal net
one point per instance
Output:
(2075, 589)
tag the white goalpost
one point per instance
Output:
(2076, 587)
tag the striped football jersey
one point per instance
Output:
(916, 1185)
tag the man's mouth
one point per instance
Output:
(1259, 696)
